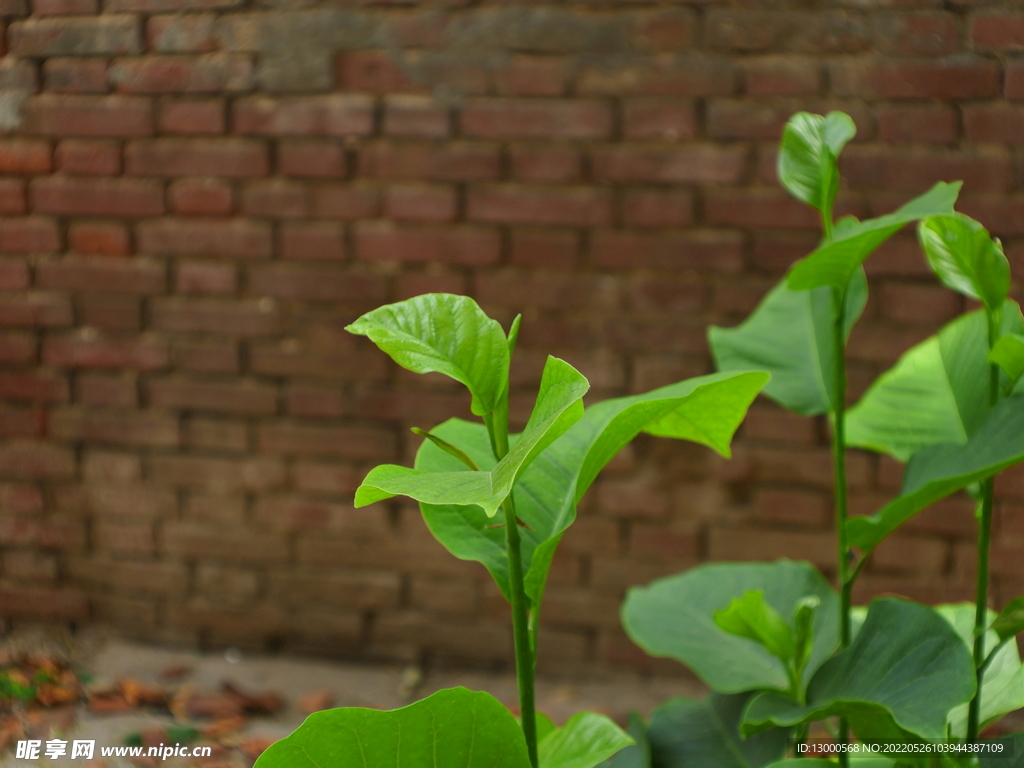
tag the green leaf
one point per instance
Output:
(965, 258)
(803, 630)
(455, 727)
(1010, 621)
(559, 405)
(807, 156)
(685, 733)
(790, 336)
(709, 408)
(1014, 745)
(941, 470)
(1002, 690)
(1008, 354)
(584, 741)
(751, 617)
(856, 762)
(906, 668)
(674, 617)
(443, 333)
(638, 754)
(936, 393)
(835, 261)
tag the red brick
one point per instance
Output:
(791, 507)
(554, 249)
(703, 250)
(276, 199)
(657, 208)
(317, 283)
(28, 235)
(97, 273)
(318, 240)
(64, 7)
(417, 283)
(581, 206)
(96, 197)
(1002, 215)
(534, 76)
(694, 163)
(757, 208)
(25, 156)
(547, 290)
(111, 311)
(192, 116)
(744, 119)
(106, 390)
(536, 118)
(228, 238)
(182, 33)
(14, 274)
(75, 75)
(38, 460)
(918, 33)
(545, 163)
(207, 73)
(35, 310)
(82, 351)
(207, 356)
(12, 196)
(103, 425)
(415, 116)
(197, 157)
(205, 277)
(248, 318)
(688, 75)
(999, 31)
(916, 171)
(345, 201)
(783, 76)
(419, 161)
(238, 397)
(89, 157)
(39, 387)
(17, 348)
(312, 159)
(948, 80)
(373, 72)
(114, 116)
(905, 124)
(923, 304)
(292, 358)
(420, 202)
(659, 118)
(448, 245)
(201, 196)
(68, 604)
(335, 115)
(108, 34)
(313, 401)
(997, 123)
(303, 439)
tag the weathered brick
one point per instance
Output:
(580, 206)
(303, 439)
(36, 460)
(963, 78)
(89, 157)
(102, 274)
(702, 164)
(217, 474)
(275, 198)
(114, 116)
(312, 158)
(237, 397)
(64, 7)
(36, 309)
(67, 604)
(929, 124)
(86, 351)
(336, 115)
(182, 33)
(25, 156)
(96, 197)
(998, 31)
(207, 73)
(704, 250)
(12, 196)
(237, 318)
(346, 201)
(197, 157)
(317, 240)
(42, 387)
(109, 35)
(757, 30)
(420, 202)
(419, 161)
(228, 238)
(205, 277)
(139, 428)
(415, 117)
(657, 208)
(28, 235)
(75, 75)
(536, 118)
(467, 245)
(783, 76)
(192, 116)
(306, 283)
(918, 33)
(900, 170)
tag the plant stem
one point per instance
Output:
(521, 632)
(839, 457)
(982, 575)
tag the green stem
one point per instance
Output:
(521, 632)
(982, 574)
(842, 511)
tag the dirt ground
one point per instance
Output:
(107, 662)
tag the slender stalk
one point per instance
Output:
(982, 575)
(841, 505)
(521, 632)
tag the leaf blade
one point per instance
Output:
(965, 258)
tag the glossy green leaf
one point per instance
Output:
(548, 491)
(803, 630)
(584, 741)
(1002, 690)
(751, 617)
(936, 393)
(638, 754)
(443, 333)
(941, 470)
(1008, 354)
(907, 666)
(965, 257)
(790, 336)
(1010, 621)
(836, 261)
(559, 405)
(685, 733)
(807, 156)
(455, 728)
(674, 617)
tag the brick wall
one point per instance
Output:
(197, 195)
